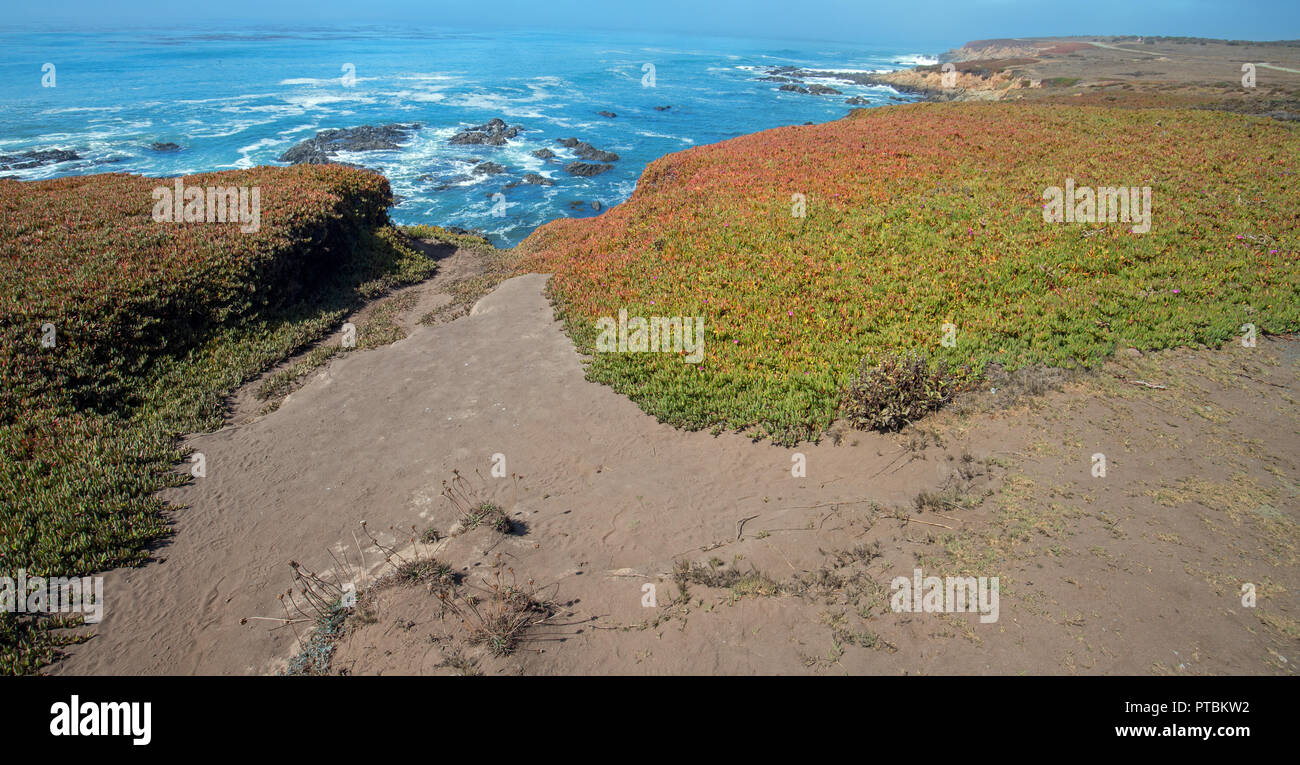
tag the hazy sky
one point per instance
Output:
(948, 22)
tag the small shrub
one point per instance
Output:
(501, 614)
(898, 390)
(486, 514)
(424, 570)
(476, 510)
(318, 650)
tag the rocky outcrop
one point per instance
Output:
(611, 115)
(857, 101)
(495, 132)
(488, 168)
(794, 79)
(532, 179)
(165, 146)
(544, 154)
(30, 159)
(793, 74)
(663, 108)
(928, 82)
(327, 143)
(587, 151)
(586, 169)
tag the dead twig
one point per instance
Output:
(927, 523)
(740, 526)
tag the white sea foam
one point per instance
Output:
(79, 109)
(848, 71)
(915, 59)
(323, 80)
(232, 129)
(651, 134)
(264, 143)
(429, 77)
(299, 129)
(318, 100)
(414, 95)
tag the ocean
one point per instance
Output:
(239, 99)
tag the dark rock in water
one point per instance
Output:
(533, 179)
(443, 183)
(494, 132)
(587, 151)
(857, 101)
(776, 78)
(662, 108)
(823, 90)
(488, 168)
(327, 143)
(585, 169)
(166, 146)
(897, 98)
(611, 115)
(305, 154)
(30, 159)
(783, 70)
(794, 88)
(544, 154)
(858, 78)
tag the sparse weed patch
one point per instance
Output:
(475, 510)
(718, 575)
(453, 236)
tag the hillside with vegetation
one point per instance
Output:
(812, 249)
(119, 334)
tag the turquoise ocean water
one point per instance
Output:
(241, 98)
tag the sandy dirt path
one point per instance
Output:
(1100, 576)
(372, 438)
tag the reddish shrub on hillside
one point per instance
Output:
(83, 263)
